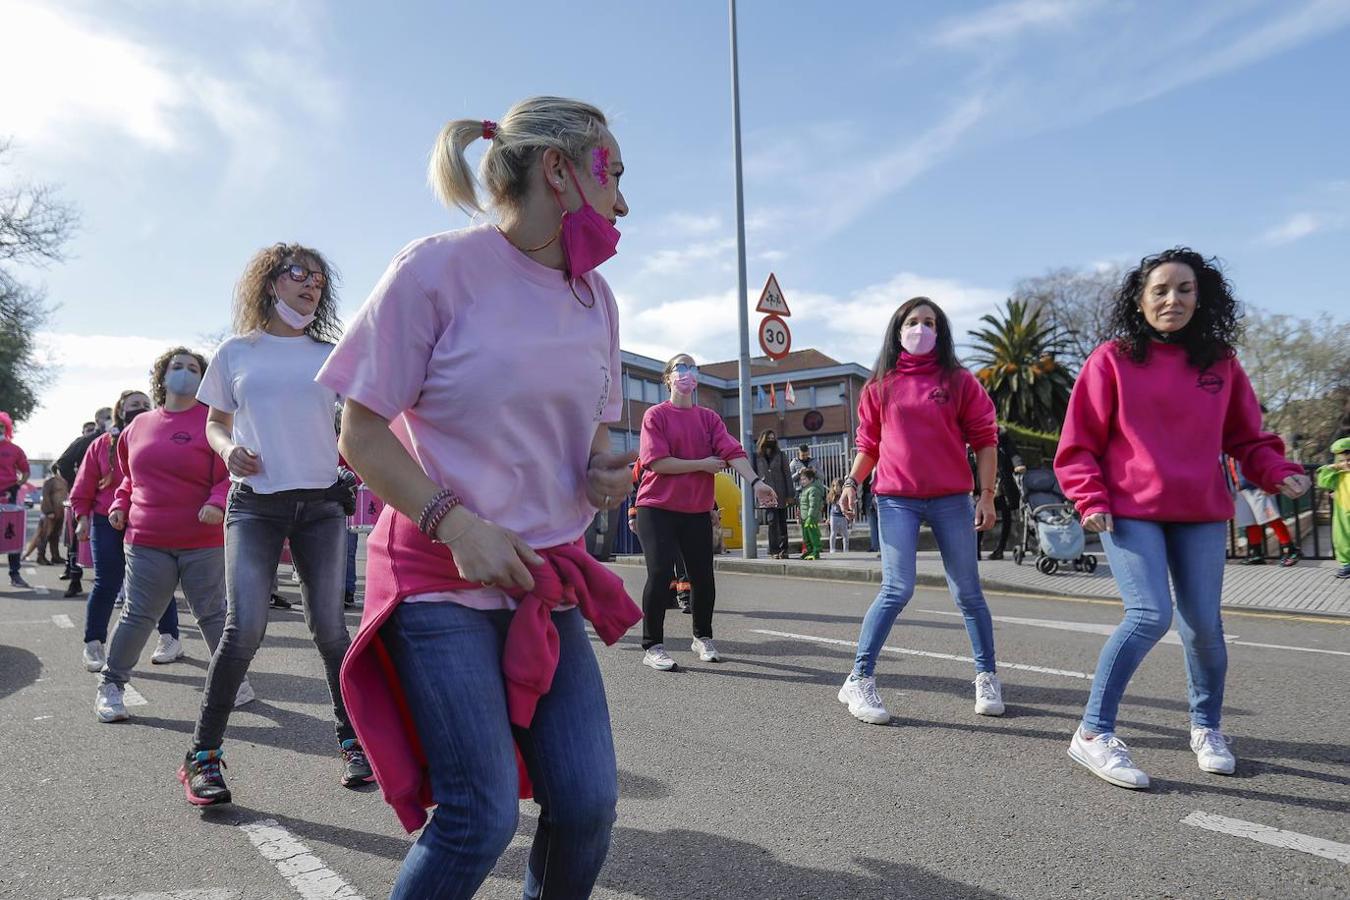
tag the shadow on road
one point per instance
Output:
(18, 669)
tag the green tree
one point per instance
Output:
(1016, 362)
(34, 227)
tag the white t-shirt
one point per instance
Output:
(280, 411)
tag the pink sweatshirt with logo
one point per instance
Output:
(1143, 440)
(678, 433)
(171, 472)
(917, 422)
(86, 497)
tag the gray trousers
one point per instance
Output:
(152, 576)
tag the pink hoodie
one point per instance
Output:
(86, 497)
(171, 473)
(1143, 440)
(402, 562)
(916, 424)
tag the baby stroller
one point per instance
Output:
(1051, 532)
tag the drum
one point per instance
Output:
(368, 509)
(13, 528)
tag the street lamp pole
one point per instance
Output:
(749, 548)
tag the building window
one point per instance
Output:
(651, 392)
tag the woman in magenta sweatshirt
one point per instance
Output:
(91, 499)
(917, 415)
(1150, 415)
(169, 507)
(683, 445)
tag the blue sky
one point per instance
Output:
(891, 149)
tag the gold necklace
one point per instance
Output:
(530, 249)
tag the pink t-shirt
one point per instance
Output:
(494, 377)
(12, 461)
(693, 433)
(171, 473)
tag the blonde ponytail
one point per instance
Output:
(528, 128)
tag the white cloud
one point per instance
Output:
(1008, 20)
(1296, 227)
(706, 255)
(1326, 208)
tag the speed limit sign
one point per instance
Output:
(774, 337)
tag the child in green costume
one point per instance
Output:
(813, 506)
(1336, 478)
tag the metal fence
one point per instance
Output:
(1308, 519)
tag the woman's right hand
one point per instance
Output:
(242, 462)
(117, 519)
(1097, 522)
(82, 528)
(848, 501)
(487, 553)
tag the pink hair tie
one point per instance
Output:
(489, 129)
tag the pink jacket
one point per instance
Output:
(87, 497)
(1143, 440)
(403, 562)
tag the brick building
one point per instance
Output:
(824, 414)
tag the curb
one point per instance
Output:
(777, 569)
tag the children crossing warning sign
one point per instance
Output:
(771, 299)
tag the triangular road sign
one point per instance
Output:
(771, 300)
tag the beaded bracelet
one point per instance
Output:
(437, 508)
(851, 482)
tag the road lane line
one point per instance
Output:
(1093, 628)
(1275, 837)
(1021, 667)
(304, 871)
(132, 697)
(201, 894)
(63, 621)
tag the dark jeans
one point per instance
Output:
(873, 525)
(256, 525)
(449, 662)
(776, 520)
(664, 533)
(1005, 507)
(13, 500)
(110, 571)
(352, 538)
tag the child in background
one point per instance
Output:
(813, 504)
(1254, 511)
(838, 521)
(1335, 478)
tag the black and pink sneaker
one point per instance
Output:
(201, 778)
(355, 767)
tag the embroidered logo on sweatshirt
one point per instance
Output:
(1209, 382)
(940, 396)
(181, 437)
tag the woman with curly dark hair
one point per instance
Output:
(1148, 419)
(272, 423)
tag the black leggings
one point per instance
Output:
(664, 533)
(776, 520)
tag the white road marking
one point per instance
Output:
(202, 894)
(1068, 673)
(41, 591)
(304, 871)
(1093, 628)
(63, 621)
(42, 718)
(132, 697)
(1275, 837)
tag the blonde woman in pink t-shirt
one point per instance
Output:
(490, 482)
(682, 447)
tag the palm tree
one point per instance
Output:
(1016, 360)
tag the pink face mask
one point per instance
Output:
(918, 339)
(588, 238)
(686, 383)
(291, 317)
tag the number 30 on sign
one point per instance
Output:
(774, 337)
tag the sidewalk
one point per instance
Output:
(1307, 588)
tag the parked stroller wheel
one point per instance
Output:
(1018, 555)
(1046, 566)
(1090, 563)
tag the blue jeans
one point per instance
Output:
(352, 538)
(449, 659)
(256, 525)
(952, 520)
(110, 570)
(1142, 554)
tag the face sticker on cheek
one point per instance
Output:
(600, 165)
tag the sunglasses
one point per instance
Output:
(685, 369)
(300, 274)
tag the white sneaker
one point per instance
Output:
(170, 649)
(863, 700)
(245, 694)
(657, 657)
(94, 657)
(108, 705)
(988, 695)
(706, 649)
(1211, 751)
(1107, 757)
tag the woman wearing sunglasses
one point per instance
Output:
(273, 425)
(682, 447)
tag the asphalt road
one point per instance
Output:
(745, 779)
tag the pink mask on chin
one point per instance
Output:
(290, 316)
(588, 238)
